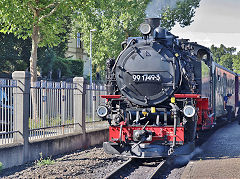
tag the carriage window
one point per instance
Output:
(219, 77)
(225, 77)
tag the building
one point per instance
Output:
(76, 51)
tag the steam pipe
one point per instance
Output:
(174, 110)
(174, 128)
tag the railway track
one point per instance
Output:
(138, 168)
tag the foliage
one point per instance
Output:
(43, 161)
(114, 20)
(43, 21)
(46, 22)
(18, 17)
(76, 67)
(59, 66)
(14, 53)
(218, 52)
(226, 60)
(69, 67)
(45, 62)
(182, 13)
(117, 20)
(1, 167)
(236, 63)
(226, 57)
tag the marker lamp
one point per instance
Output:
(144, 113)
(173, 100)
(153, 110)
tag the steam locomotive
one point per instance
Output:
(162, 90)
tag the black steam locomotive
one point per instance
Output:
(159, 94)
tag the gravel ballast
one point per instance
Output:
(90, 163)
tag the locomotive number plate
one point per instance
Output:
(146, 78)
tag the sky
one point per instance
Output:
(215, 22)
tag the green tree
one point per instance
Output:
(117, 20)
(182, 13)
(236, 63)
(14, 53)
(42, 21)
(218, 52)
(224, 56)
(172, 11)
(51, 62)
(226, 60)
(114, 20)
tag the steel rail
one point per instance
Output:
(156, 171)
(120, 169)
(110, 175)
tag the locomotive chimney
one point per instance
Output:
(153, 22)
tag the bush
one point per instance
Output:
(76, 67)
(43, 161)
(69, 68)
(60, 67)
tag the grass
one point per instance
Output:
(89, 119)
(48, 122)
(43, 161)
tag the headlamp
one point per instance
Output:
(189, 111)
(145, 29)
(102, 111)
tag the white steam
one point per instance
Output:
(155, 7)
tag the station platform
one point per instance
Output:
(219, 156)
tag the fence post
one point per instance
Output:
(63, 102)
(79, 104)
(21, 107)
(44, 103)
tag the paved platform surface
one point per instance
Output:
(219, 157)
